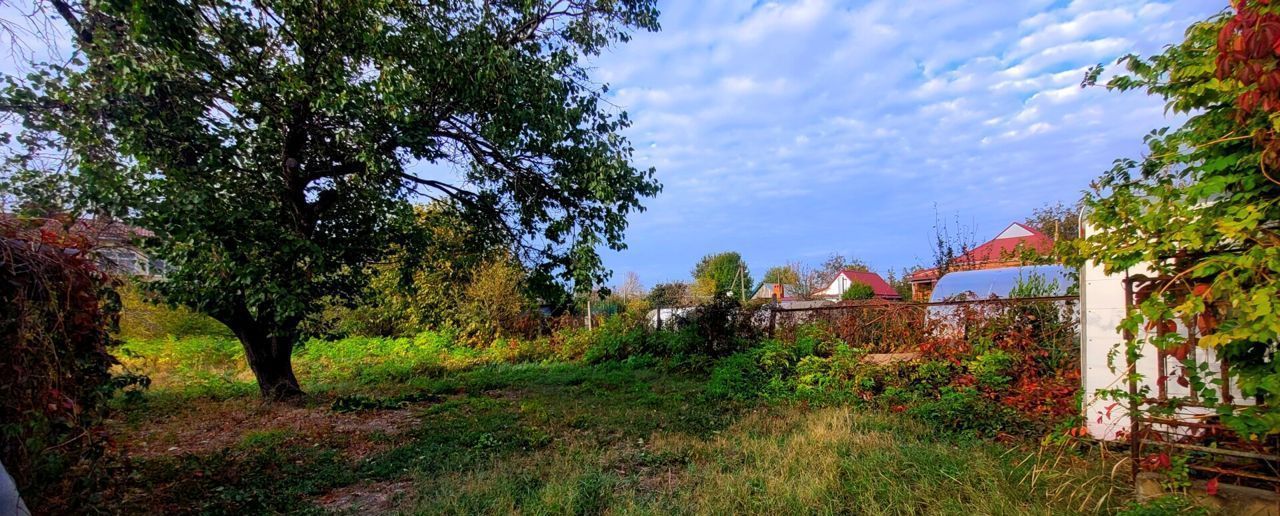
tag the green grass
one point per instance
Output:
(477, 434)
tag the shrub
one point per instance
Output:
(965, 411)
(813, 375)
(722, 327)
(992, 369)
(144, 317)
(931, 376)
(858, 291)
(737, 376)
(56, 309)
(618, 338)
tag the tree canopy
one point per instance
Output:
(784, 274)
(1202, 208)
(723, 274)
(858, 291)
(272, 147)
(666, 295)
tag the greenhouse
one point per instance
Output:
(1035, 280)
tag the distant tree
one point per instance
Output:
(784, 274)
(1058, 220)
(631, 288)
(858, 291)
(726, 273)
(837, 262)
(950, 243)
(704, 289)
(271, 145)
(899, 282)
(811, 280)
(669, 294)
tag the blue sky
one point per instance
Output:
(791, 130)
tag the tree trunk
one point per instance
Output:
(270, 356)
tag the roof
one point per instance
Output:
(929, 274)
(878, 285)
(1007, 244)
(93, 233)
(766, 291)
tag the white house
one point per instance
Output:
(843, 279)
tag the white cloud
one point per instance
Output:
(812, 124)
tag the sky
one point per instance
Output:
(791, 130)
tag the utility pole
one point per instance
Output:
(742, 281)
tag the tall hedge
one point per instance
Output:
(54, 364)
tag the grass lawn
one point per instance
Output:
(434, 436)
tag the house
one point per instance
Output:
(777, 291)
(1005, 250)
(843, 279)
(111, 243)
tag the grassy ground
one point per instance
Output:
(448, 432)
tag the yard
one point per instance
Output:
(419, 426)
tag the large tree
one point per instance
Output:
(723, 274)
(272, 145)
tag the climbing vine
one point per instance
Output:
(56, 309)
(1202, 207)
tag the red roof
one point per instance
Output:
(1002, 248)
(91, 232)
(878, 285)
(1021, 237)
(924, 275)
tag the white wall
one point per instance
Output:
(1102, 309)
(837, 287)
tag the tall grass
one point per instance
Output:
(776, 461)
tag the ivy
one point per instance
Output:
(1203, 205)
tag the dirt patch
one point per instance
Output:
(368, 497)
(209, 426)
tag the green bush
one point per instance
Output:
(895, 397)
(992, 369)
(965, 411)
(858, 291)
(617, 339)
(930, 377)
(737, 376)
(143, 317)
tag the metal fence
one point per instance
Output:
(897, 327)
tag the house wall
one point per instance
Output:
(1102, 301)
(921, 291)
(837, 287)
